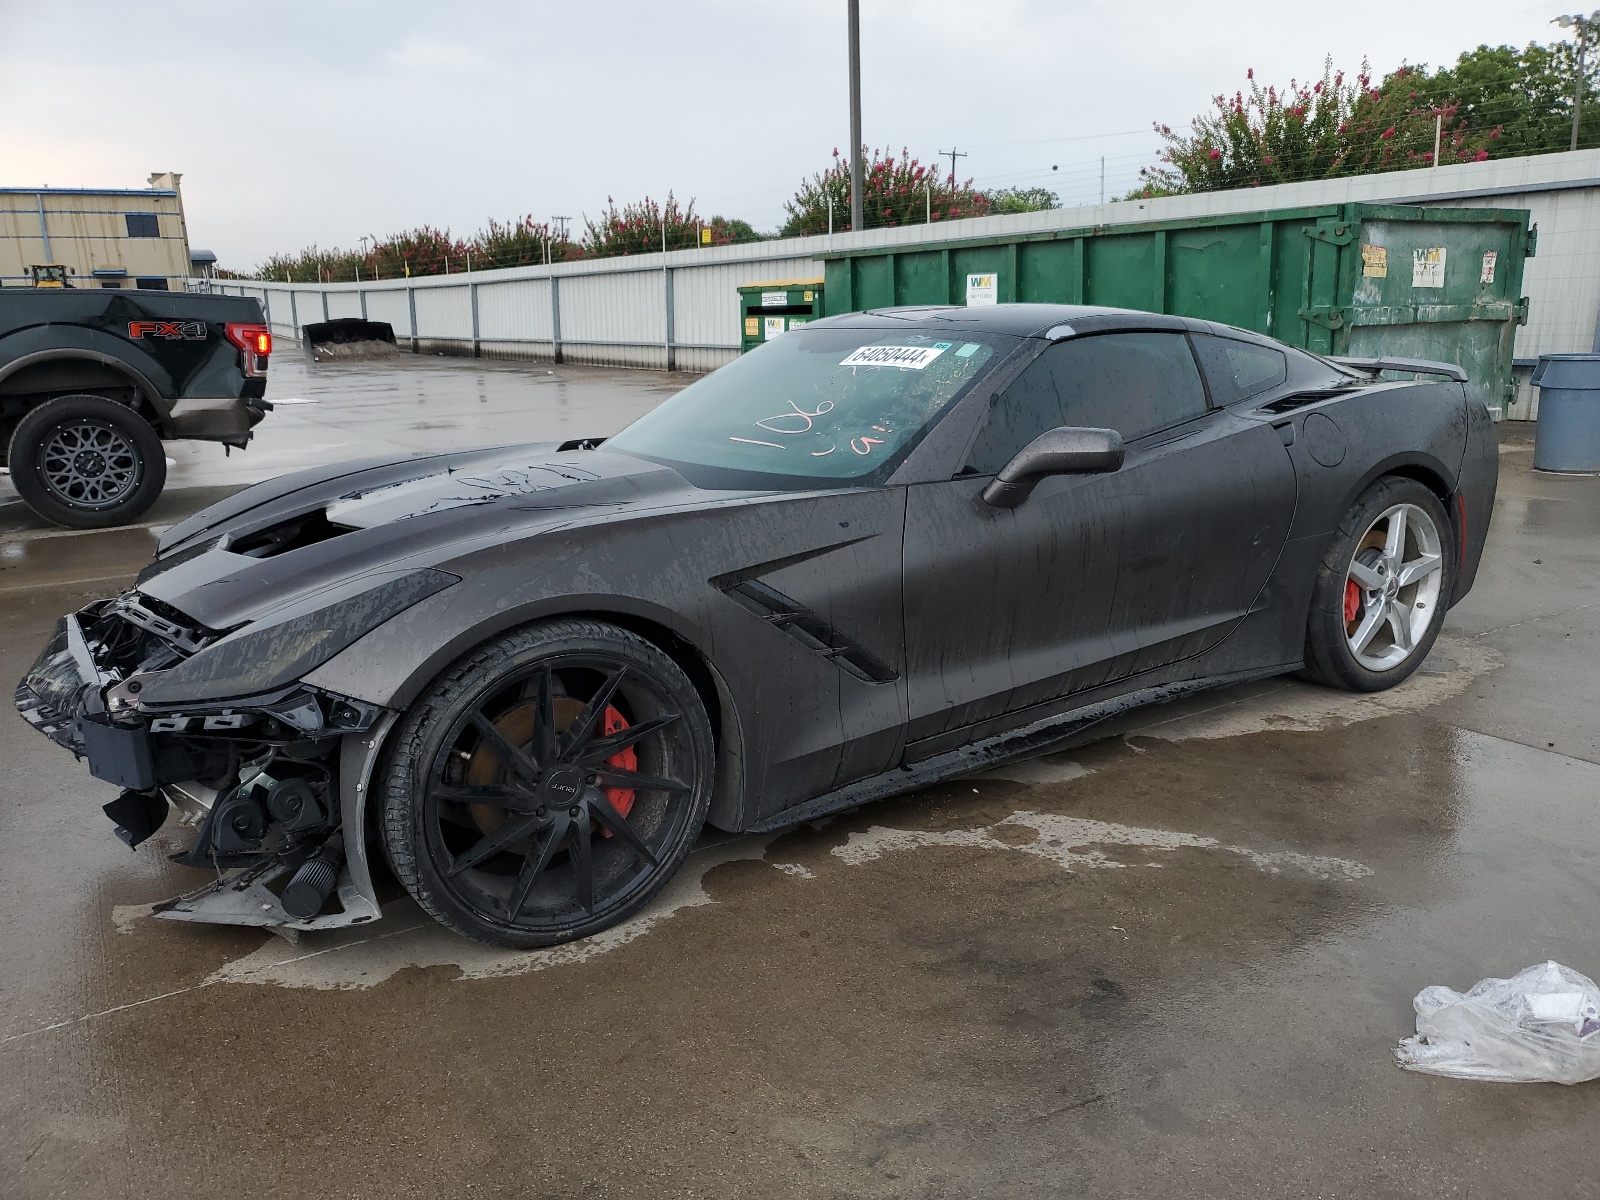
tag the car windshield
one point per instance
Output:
(814, 408)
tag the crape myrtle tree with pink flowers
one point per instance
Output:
(899, 190)
(1495, 102)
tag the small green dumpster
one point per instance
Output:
(1366, 280)
(768, 309)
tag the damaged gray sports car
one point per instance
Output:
(883, 550)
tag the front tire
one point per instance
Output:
(1383, 588)
(548, 784)
(87, 462)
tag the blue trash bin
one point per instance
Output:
(1567, 437)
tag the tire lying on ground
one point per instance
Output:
(1383, 588)
(87, 462)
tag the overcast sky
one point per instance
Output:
(295, 122)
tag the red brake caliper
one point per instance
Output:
(1352, 607)
(624, 760)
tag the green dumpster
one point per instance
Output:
(1365, 280)
(769, 309)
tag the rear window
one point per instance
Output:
(1238, 370)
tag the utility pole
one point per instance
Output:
(952, 154)
(858, 181)
(1584, 31)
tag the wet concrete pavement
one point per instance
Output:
(332, 412)
(1173, 961)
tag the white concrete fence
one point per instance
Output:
(679, 310)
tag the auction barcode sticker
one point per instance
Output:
(907, 358)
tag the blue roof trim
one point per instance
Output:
(27, 191)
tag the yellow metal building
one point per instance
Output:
(101, 237)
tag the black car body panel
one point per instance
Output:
(850, 641)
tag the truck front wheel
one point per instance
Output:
(87, 462)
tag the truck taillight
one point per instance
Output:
(255, 344)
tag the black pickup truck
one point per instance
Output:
(92, 381)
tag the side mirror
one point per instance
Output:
(1061, 451)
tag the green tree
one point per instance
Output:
(1495, 102)
(898, 191)
(1022, 200)
(730, 231)
(1526, 95)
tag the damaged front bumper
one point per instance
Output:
(274, 784)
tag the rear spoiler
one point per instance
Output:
(1417, 366)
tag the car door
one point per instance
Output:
(1211, 503)
(1094, 578)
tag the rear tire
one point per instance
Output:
(87, 462)
(1383, 588)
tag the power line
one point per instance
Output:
(952, 154)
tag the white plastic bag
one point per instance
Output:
(1541, 1025)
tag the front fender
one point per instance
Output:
(393, 664)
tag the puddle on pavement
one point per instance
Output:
(1065, 841)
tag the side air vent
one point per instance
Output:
(810, 630)
(1301, 399)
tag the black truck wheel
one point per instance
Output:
(87, 462)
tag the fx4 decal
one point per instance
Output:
(183, 331)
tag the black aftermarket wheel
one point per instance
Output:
(86, 462)
(548, 784)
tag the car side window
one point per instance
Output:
(1238, 370)
(1135, 383)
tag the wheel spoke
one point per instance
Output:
(614, 777)
(582, 864)
(533, 866)
(510, 757)
(601, 749)
(511, 798)
(545, 738)
(495, 842)
(1394, 542)
(1418, 568)
(1370, 624)
(618, 824)
(1366, 576)
(582, 730)
(1399, 617)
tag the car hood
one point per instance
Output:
(311, 539)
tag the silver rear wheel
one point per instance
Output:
(1393, 587)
